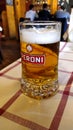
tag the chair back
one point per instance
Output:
(64, 26)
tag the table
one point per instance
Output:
(19, 112)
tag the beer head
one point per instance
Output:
(40, 35)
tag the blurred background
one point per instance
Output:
(12, 10)
(10, 13)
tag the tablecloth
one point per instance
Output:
(20, 112)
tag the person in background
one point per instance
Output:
(44, 14)
(58, 7)
(61, 13)
(69, 32)
(31, 14)
(62, 16)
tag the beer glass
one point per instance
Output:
(39, 57)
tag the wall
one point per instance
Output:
(54, 4)
(11, 21)
(71, 2)
(2, 5)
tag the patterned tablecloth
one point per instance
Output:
(19, 112)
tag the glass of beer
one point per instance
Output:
(39, 43)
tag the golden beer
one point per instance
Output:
(39, 55)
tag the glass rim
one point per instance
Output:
(39, 22)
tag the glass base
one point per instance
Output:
(39, 92)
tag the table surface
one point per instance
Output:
(19, 112)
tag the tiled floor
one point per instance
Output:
(10, 51)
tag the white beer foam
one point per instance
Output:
(40, 36)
